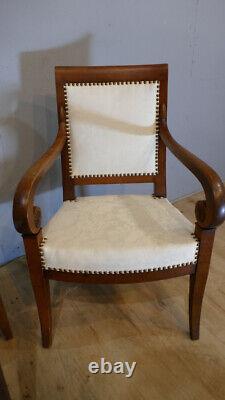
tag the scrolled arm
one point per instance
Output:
(26, 215)
(209, 212)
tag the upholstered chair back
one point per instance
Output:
(112, 128)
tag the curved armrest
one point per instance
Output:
(25, 215)
(211, 211)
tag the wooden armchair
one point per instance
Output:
(113, 129)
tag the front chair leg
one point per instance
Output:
(42, 296)
(40, 287)
(199, 278)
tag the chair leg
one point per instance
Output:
(4, 322)
(42, 296)
(40, 287)
(199, 278)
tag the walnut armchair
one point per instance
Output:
(113, 129)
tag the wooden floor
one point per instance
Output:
(146, 323)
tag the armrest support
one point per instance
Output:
(26, 215)
(210, 212)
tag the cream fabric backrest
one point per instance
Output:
(112, 128)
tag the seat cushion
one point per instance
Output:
(108, 234)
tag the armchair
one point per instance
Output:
(112, 129)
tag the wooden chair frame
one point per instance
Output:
(27, 217)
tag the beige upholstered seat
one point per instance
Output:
(118, 234)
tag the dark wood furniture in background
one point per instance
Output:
(4, 322)
(4, 393)
(6, 330)
(27, 217)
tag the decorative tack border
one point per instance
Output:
(131, 271)
(116, 83)
(67, 123)
(68, 127)
(41, 251)
(157, 129)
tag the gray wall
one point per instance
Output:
(37, 35)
